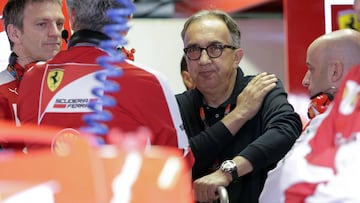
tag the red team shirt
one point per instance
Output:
(9, 87)
(57, 93)
(8, 95)
(324, 164)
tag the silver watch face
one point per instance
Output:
(228, 166)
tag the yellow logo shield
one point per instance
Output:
(348, 19)
(54, 78)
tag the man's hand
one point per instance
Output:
(205, 188)
(249, 101)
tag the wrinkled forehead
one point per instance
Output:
(46, 9)
(207, 30)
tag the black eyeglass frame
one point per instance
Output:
(221, 46)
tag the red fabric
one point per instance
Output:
(2, 5)
(8, 96)
(9, 89)
(336, 130)
(141, 100)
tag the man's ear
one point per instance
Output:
(188, 82)
(13, 33)
(239, 53)
(337, 71)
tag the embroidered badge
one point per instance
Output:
(54, 78)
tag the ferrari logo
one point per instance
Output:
(54, 78)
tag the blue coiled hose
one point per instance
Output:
(119, 24)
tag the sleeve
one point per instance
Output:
(174, 111)
(208, 144)
(205, 144)
(162, 111)
(5, 113)
(281, 127)
(343, 187)
(29, 94)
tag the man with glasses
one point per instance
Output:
(238, 126)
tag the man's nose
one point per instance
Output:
(204, 57)
(54, 30)
(306, 79)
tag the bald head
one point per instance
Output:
(329, 58)
(341, 45)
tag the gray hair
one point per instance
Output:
(92, 14)
(226, 18)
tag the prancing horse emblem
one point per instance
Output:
(54, 78)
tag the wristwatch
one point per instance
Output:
(229, 166)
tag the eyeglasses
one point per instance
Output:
(213, 51)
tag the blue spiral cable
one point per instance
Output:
(119, 24)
